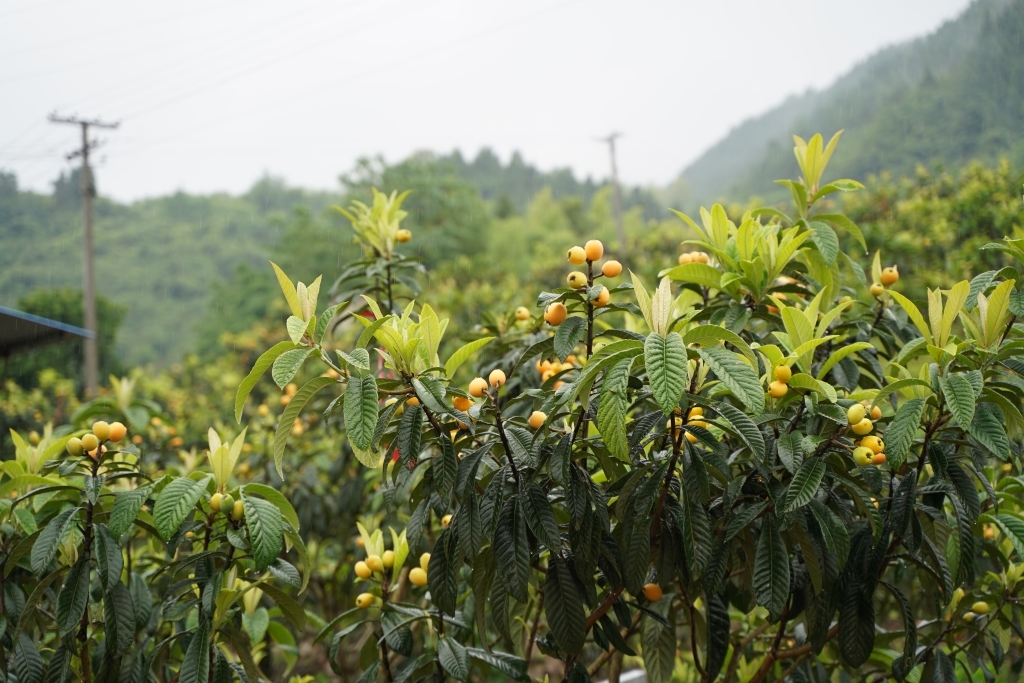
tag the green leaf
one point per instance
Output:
(791, 451)
(900, 434)
(510, 665)
(361, 406)
(512, 550)
(108, 557)
(441, 572)
(959, 397)
(288, 289)
(567, 336)
(126, 509)
(73, 598)
(274, 496)
(909, 625)
(177, 500)
(295, 406)
(539, 516)
(544, 346)
(697, 273)
(256, 624)
(1013, 528)
(838, 220)
(771, 568)
(805, 484)
(45, 548)
(119, 617)
(611, 411)
(744, 427)
(287, 365)
(195, 667)
(989, 432)
(265, 525)
(719, 629)
(456, 360)
(445, 468)
(913, 313)
(659, 642)
(802, 381)
(564, 608)
(454, 658)
(735, 374)
(292, 610)
(833, 531)
(667, 369)
(431, 393)
(359, 359)
(27, 665)
(824, 237)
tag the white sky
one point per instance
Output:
(213, 93)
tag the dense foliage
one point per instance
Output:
(771, 463)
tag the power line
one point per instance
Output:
(88, 276)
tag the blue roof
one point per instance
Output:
(20, 331)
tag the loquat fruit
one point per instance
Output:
(75, 447)
(227, 504)
(117, 431)
(855, 414)
(537, 419)
(238, 511)
(375, 563)
(862, 456)
(101, 429)
(364, 600)
(783, 373)
(424, 561)
(874, 443)
(576, 279)
(684, 259)
(602, 298)
(980, 607)
(876, 290)
(215, 501)
(863, 427)
(446, 520)
(263, 410)
(388, 558)
(555, 314)
(594, 250)
(890, 276)
(876, 413)
(496, 378)
(522, 313)
(988, 532)
(576, 256)
(412, 401)
(611, 268)
(363, 570)
(418, 577)
(90, 442)
(652, 592)
(777, 389)
(477, 387)
(690, 437)
(403, 235)
(462, 403)
(878, 459)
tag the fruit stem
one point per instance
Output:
(504, 437)
(590, 310)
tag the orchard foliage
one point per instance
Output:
(767, 464)
(688, 471)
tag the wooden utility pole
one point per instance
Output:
(88, 274)
(616, 196)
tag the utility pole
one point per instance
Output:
(616, 196)
(88, 274)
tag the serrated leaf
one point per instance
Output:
(611, 411)
(856, 625)
(45, 547)
(900, 434)
(441, 572)
(361, 406)
(833, 531)
(27, 665)
(735, 374)
(744, 427)
(568, 335)
(989, 431)
(261, 365)
(73, 598)
(1013, 528)
(195, 667)
(909, 626)
(287, 365)
(454, 658)
(512, 550)
(126, 508)
(718, 630)
(119, 617)
(463, 354)
(358, 359)
(539, 516)
(804, 484)
(108, 557)
(959, 397)
(697, 273)
(790, 449)
(564, 608)
(445, 467)
(771, 568)
(176, 501)
(667, 369)
(295, 406)
(256, 624)
(265, 525)
(824, 237)
(659, 641)
(510, 665)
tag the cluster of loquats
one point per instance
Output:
(779, 387)
(227, 505)
(597, 295)
(694, 418)
(549, 368)
(870, 449)
(694, 257)
(889, 277)
(93, 443)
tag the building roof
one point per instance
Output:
(20, 331)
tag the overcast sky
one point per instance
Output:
(213, 93)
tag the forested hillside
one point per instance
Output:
(950, 97)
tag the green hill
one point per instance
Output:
(950, 97)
